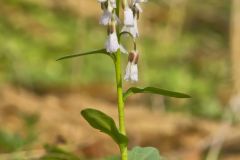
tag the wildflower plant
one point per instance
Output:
(117, 27)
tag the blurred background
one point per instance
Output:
(189, 46)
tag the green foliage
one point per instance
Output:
(154, 90)
(55, 153)
(100, 51)
(112, 158)
(105, 124)
(141, 153)
(146, 153)
(10, 142)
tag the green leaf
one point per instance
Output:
(153, 90)
(146, 153)
(140, 153)
(100, 51)
(105, 124)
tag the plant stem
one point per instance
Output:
(121, 114)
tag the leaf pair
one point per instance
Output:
(132, 90)
(105, 124)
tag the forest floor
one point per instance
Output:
(178, 136)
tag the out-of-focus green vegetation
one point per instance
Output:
(55, 153)
(34, 36)
(191, 56)
(10, 142)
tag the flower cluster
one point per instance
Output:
(109, 18)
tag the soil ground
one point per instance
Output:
(176, 135)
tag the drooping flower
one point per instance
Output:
(105, 18)
(136, 10)
(133, 30)
(136, 6)
(132, 67)
(128, 17)
(136, 27)
(107, 7)
(112, 44)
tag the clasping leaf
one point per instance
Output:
(105, 124)
(100, 51)
(153, 90)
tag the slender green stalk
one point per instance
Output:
(121, 114)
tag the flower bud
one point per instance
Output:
(111, 27)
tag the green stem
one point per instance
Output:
(121, 114)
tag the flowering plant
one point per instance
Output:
(113, 48)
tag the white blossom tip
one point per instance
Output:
(131, 73)
(128, 17)
(112, 44)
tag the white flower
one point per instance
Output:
(134, 73)
(128, 17)
(108, 14)
(112, 44)
(128, 72)
(138, 7)
(105, 18)
(139, 1)
(135, 26)
(113, 3)
(133, 30)
(132, 67)
(131, 72)
(102, 1)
